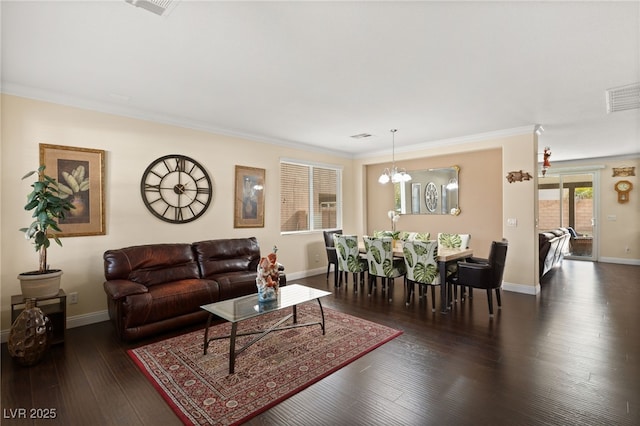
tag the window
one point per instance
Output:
(309, 196)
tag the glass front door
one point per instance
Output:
(567, 200)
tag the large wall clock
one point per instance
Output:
(176, 189)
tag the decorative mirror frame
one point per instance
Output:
(429, 191)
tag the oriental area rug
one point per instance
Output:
(200, 389)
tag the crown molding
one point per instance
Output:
(461, 140)
(128, 112)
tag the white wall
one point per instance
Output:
(131, 145)
(518, 148)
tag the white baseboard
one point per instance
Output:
(305, 274)
(620, 260)
(95, 317)
(86, 319)
(521, 288)
(72, 322)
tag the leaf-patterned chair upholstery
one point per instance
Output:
(453, 241)
(393, 234)
(349, 259)
(422, 267)
(382, 263)
(410, 236)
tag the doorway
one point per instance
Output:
(569, 200)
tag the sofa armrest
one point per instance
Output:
(117, 289)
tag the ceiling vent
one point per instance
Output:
(623, 98)
(361, 136)
(159, 7)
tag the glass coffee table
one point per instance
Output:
(245, 307)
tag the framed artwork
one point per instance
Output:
(80, 175)
(249, 202)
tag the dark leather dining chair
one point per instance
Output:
(487, 276)
(332, 258)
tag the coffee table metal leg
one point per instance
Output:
(322, 314)
(206, 334)
(232, 347)
(295, 314)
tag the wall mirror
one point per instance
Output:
(430, 191)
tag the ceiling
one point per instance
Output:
(313, 74)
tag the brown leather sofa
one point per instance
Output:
(157, 287)
(553, 246)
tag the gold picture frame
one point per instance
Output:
(80, 174)
(249, 198)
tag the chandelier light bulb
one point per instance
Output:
(394, 175)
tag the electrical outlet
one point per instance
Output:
(317, 258)
(73, 298)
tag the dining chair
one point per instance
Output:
(409, 236)
(453, 240)
(473, 259)
(332, 257)
(382, 264)
(349, 259)
(422, 268)
(487, 276)
(447, 240)
(393, 234)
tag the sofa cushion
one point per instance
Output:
(151, 264)
(217, 257)
(236, 284)
(179, 298)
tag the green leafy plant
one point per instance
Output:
(48, 207)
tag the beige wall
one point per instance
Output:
(480, 172)
(131, 145)
(480, 204)
(619, 230)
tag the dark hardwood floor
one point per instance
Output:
(569, 356)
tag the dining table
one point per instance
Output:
(444, 257)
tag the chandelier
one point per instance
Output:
(394, 174)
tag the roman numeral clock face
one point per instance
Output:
(176, 189)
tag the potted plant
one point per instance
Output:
(48, 207)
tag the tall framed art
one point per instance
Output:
(80, 175)
(249, 198)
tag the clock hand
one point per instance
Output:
(189, 196)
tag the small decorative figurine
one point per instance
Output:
(268, 278)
